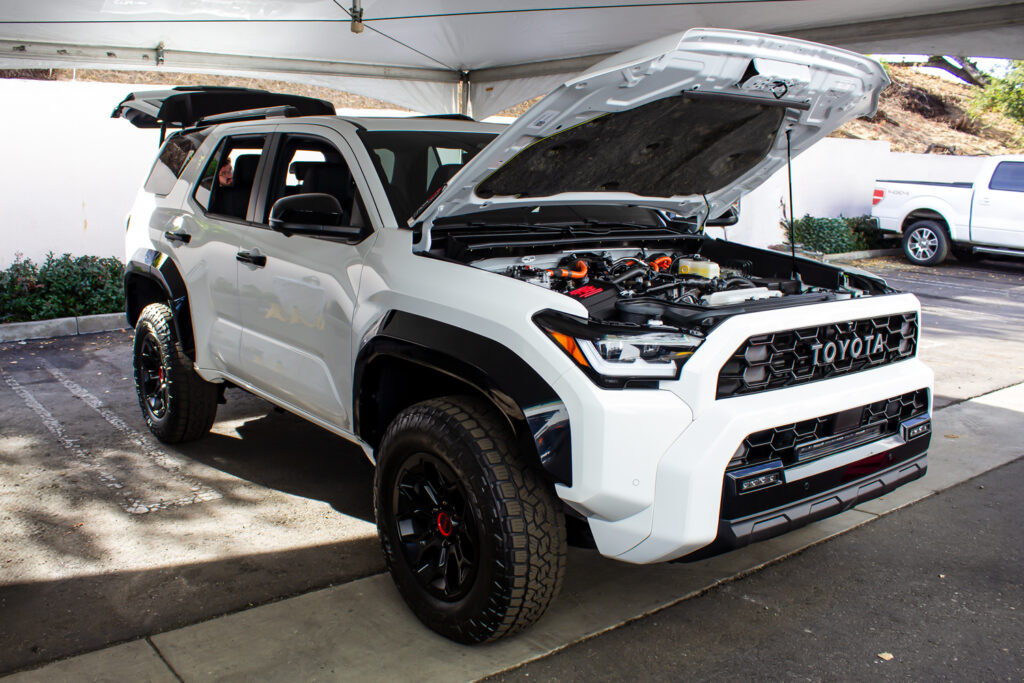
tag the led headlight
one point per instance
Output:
(620, 351)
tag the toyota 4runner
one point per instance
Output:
(526, 328)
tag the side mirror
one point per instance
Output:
(730, 217)
(313, 213)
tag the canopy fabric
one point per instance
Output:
(420, 53)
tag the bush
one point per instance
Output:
(1004, 94)
(63, 286)
(836, 235)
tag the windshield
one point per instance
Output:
(414, 164)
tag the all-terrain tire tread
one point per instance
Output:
(194, 400)
(532, 523)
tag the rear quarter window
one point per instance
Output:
(172, 160)
(1009, 175)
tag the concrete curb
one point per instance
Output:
(843, 256)
(62, 327)
(856, 255)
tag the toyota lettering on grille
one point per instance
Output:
(850, 347)
(785, 358)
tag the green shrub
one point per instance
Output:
(63, 286)
(836, 235)
(1004, 94)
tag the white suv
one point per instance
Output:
(525, 328)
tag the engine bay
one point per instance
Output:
(666, 287)
(635, 267)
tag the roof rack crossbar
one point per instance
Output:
(286, 110)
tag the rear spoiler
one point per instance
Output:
(186, 106)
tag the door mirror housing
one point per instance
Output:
(312, 213)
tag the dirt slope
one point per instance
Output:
(923, 113)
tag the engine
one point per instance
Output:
(670, 287)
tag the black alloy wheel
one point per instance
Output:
(154, 393)
(440, 535)
(473, 536)
(177, 404)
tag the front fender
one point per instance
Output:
(444, 356)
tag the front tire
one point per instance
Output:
(177, 404)
(925, 243)
(472, 536)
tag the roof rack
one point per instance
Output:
(285, 110)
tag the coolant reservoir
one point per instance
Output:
(735, 296)
(700, 267)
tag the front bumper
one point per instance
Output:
(648, 466)
(659, 493)
(911, 463)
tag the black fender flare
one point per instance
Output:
(160, 271)
(442, 356)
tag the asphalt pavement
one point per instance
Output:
(934, 592)
(101, 546)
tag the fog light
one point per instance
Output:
(913, 428)
(759, 482)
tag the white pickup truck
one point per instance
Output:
(984, 216)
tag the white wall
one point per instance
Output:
(942, 168)
(835, 177)
(68, 172)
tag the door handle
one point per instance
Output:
(258, 260)
(178, 236)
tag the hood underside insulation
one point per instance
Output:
(675, 146)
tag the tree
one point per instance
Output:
(962, 67)
(1004, 94)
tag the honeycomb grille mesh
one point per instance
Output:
(784, 359)
(780, 443)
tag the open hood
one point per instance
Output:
(686, 124)
(186, 106)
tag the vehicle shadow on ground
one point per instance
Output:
(47, 620)
(281, 451)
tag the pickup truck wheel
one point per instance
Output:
(925, 243)
(177, 404)
(472, 536)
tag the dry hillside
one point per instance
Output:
(924, 113)
(917, 113)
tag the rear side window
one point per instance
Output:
(1009, 175)
(225, 187)
(173, 159)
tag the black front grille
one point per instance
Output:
(785, 442)
(784, 359)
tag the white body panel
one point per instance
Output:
(647, 464)
(974, 212)
(825, 87)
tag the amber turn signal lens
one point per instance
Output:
(570, 346)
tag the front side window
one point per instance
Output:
(307, 164)
(173, 158)
(225, 188)
(1009, 175)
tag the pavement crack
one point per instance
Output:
(164, 659)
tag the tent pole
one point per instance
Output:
(464, 88)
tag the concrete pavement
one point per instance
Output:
(361, 631)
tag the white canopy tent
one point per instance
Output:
(439, 56)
